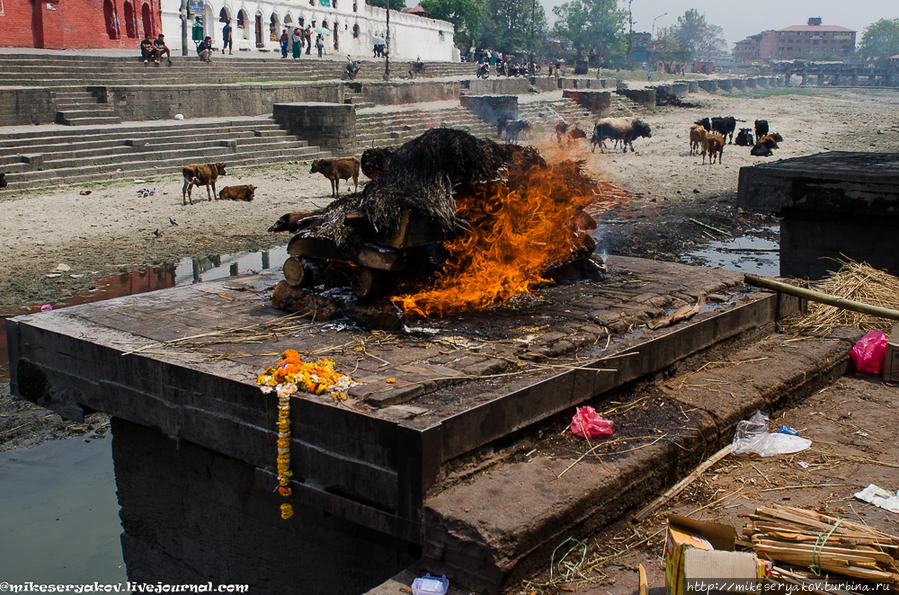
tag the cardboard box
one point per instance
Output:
(891, 363)
(700, 550)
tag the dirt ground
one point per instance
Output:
(852, 427)
(120, 226)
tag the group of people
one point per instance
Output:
(155, 49)
(298, 39)
(380, 46)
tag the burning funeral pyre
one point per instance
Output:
(449, 223)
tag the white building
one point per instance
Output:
(352, 24)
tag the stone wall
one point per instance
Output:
(26, 106)
(641, 96)
(491, 107)
(595, 101)
(197, 101)
(328, 125)
(408, 91)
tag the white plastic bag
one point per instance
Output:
(752, 435)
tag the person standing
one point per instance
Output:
(284, 40)
(226, 37)
(297, 43)
(319, 45)
(307, 34)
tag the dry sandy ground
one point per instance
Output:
(112, 228)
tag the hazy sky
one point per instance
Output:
(740, 18)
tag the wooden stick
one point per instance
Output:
(707, 226)
(643, 588)
(817, 296)
(682, 484)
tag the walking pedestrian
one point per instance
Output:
(307, 35)
(284, 40)
(226, 37)
(319, 45)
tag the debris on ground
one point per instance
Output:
(752, 436)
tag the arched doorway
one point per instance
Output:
(130, 21)
(242, 24)
(111, 19)
(209, 22)
(274, 28)
(259, 42)
(147, 20)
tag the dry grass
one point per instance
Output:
(855, 281)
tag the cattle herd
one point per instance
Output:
(708, 136)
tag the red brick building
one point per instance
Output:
(75, 24)
(812, 40)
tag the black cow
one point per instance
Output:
(705, 123)
(761, 150)
(761, 128)
(514, 128)
(744, 138)
(725, 126)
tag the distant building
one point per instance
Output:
(813, 40)
(640, 44)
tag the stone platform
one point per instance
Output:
(832, 204)
(165, 363)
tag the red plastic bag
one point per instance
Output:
(587, 423)
(870, 352)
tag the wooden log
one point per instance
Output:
(370, 282)
(413, 229)
(305, 302)
(379, 257)
(293, 271)
(312, 246)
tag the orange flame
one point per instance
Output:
(519, 229)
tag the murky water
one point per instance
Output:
(59, 518)
(749, 253)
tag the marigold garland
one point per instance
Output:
(286, 378)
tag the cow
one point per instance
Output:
(296, 221)
(623, 129)
(514, 128)
(761, 128)
(3, 183)
(242, 192)
(725, 126)
(744, 138)
(777, 137)
(339, 168)
(770, 141)
(714, 143)
(375, 161)
(705, 123)
(561, 129)
(200, 175)
(761, 150)
(697, 135)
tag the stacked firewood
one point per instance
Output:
(809, 546)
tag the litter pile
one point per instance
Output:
(808, 546)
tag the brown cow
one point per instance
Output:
(3, 183)
(697, 135)
(296, 221)
(200, 175)
(242, 192)
(713, 143)
(340, 168)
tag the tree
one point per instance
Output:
(510, 25)
(594, 27)
(698, 39)
(394, 4)
(880, 40)
(465, 15)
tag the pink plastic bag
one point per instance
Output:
(870, 352)
(587, 423)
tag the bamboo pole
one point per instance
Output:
(817, 296)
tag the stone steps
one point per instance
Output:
(56, 157)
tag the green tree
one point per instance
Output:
(593, 27)
(465, 15)
(510, 25)
(880, 40)
(394, 4)
(698, 39)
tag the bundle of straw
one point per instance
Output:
(819, 545)
(855, 281)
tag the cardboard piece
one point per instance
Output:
(704, 550)
(891, 362)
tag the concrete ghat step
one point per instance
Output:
(127, 132)
(505, 522)
(93, 120)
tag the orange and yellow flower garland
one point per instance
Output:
(286, 378)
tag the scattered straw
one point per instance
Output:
(855, 281)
